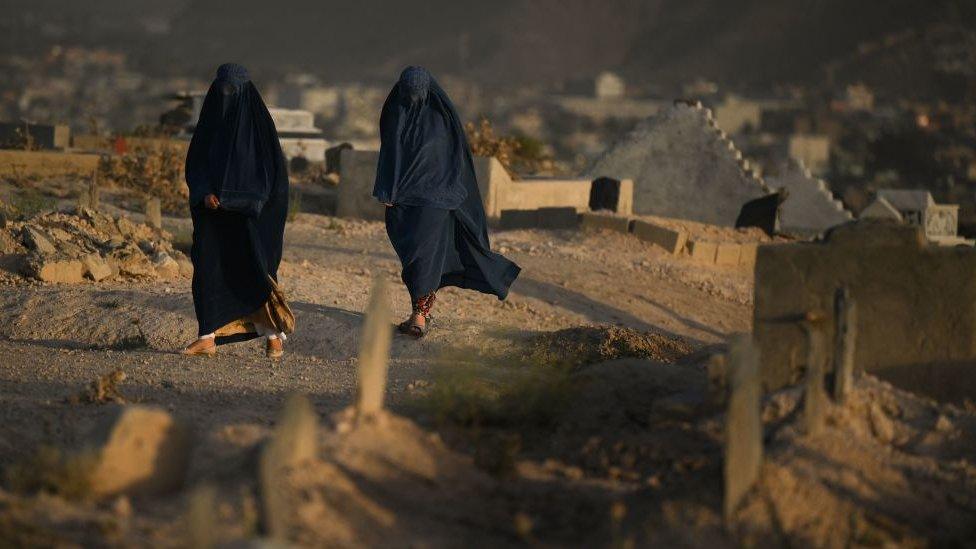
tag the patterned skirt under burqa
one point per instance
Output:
(235, 155)
(436, 221)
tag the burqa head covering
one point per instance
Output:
(235, 153)
(424, 156)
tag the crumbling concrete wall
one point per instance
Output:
(810, 208)
(498, 190)
(915, 301)
(683, 166)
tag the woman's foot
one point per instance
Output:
(274, 348)
(201, 347)
(415, 326)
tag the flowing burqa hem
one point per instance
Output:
(437, 249)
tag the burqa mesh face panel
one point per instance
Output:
(424, 156)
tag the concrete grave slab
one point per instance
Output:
(671, 240)
(598, 221)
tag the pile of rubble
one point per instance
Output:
(87, 245)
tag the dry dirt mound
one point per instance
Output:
(76, 246)
(889, 469)
(574, 347)
(390, 480)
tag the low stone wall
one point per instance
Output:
(915, 313)
(675, 241)
(15, 163)
(498, 191)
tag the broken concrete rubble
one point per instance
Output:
(66, 247)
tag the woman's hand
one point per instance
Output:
(387, 204)
(211, 202)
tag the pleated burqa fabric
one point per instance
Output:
(437, 222)
(236, 156)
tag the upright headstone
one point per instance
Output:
(294, 441)
(762, 213)
(374, 352)
(154, 213)
(89, 196)
(605, 194)
(200, 517)
(845, 338)
(814, 396)
(743, 424)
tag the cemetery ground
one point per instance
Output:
(578, 412)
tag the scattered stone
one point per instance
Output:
(141, 450)
(68, 271)
(62, 244)
(134, 263)
(166, 267)
(97, 268)
(35, 240)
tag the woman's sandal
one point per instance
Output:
(414, 330)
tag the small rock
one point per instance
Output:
(166, 266)
(35, 240)
(133, 263)
(943, 424)
(142, 450)
(97, 268)
(881, 425)
(69, 271)
(186, 267)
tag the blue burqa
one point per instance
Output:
(236, 156)
(437, 221)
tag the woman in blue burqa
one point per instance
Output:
(238, 183)
(434, 215)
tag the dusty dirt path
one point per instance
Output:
(57, 337)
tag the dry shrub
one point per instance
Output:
(575, 347)
(518, 154)
(484, 142)
(155, 170)
(104, 389)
